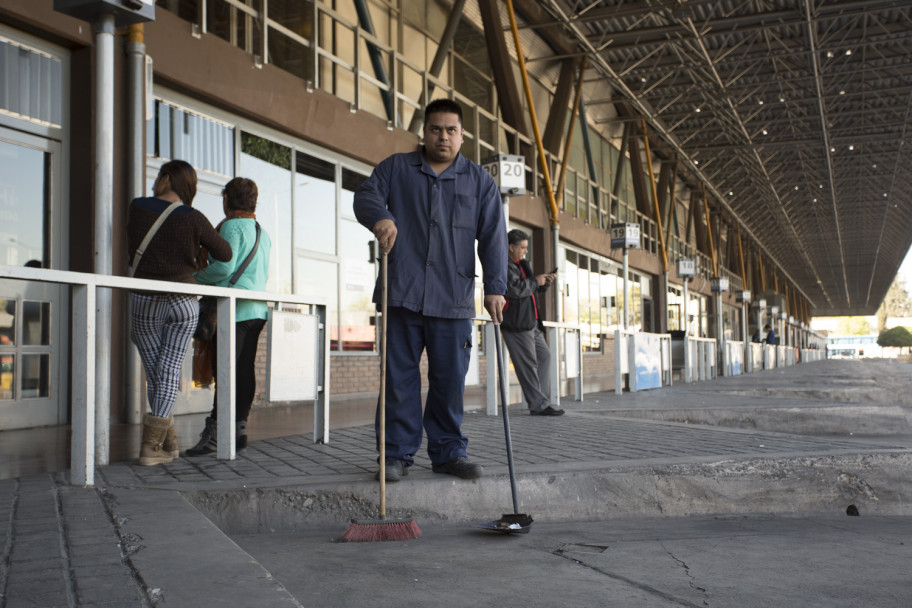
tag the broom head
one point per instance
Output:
(380, 530)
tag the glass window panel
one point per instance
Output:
(218, 20)
(7, 373)
(7, 321)
(185, 9)
(315, 204)
(609, 304)
(31, 82)
(162, 130)
(208, 201)
(351, 181)
(35, 375)
(636, 303)
(286, 52)
(319, 277)
(23, 189)
(356, 309)
(205, 143)
(571, 290)
(594, 305)
(585, 303)
(269, 165)
(36, 323)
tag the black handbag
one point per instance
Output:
(208, 305)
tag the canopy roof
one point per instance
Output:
(793, 115)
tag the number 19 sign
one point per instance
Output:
(625, 236)
(509, 173)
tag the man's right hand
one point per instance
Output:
(385, 231)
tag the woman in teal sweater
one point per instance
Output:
(239, 228)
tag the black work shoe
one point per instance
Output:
(395, 470)
(548, 411)
(207, 443)
(240, 435)
(460, 467)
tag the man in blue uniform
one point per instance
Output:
(427, 209)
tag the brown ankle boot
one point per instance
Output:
(170, 444)
(153, 436)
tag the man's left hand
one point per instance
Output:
(495, 305)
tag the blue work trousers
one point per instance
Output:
(448, 343)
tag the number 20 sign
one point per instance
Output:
(509, 173)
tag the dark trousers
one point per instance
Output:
(531, 360)
(448, 343)
(247, 335)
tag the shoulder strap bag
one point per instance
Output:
(237, 275)
(205, 327)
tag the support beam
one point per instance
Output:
(569, 141)
(744, 282)
(709, 231)
(655, 199)
(443, 49)
(376, 57)
(622, 157)
(557, 117)
(691, 205)
(508, 95)
(666, 195)
(638, 174)
(590, 160)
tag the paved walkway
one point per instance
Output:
(163, 535)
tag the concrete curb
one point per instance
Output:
(805, 484)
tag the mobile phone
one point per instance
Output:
(554, 271)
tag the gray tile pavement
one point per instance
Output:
(105, 546)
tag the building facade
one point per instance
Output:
(305, 98)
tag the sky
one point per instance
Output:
(905, 270)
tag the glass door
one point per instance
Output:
(33, 347)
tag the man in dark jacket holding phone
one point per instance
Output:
(522, 327)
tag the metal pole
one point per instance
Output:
(626, 316)
(720, 348)
(687, 377)
(104, 213)
(136, 63)
(744, 337)
(556, 292)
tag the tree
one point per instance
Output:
(853, 326)
(897, 336)
(895, 304)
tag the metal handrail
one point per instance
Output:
(84, 406)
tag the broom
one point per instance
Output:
(382, 528)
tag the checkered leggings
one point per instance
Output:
(162, 326)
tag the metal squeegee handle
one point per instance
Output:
(501, 371)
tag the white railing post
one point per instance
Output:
(554, 345)
(225, 381)
(82, 442)
(578, 383)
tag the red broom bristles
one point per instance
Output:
(381, 530)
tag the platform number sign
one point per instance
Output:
(509, 173)
(718, 284)
(625, 236)
(687, 268)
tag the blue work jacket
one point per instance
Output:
(438, 219)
